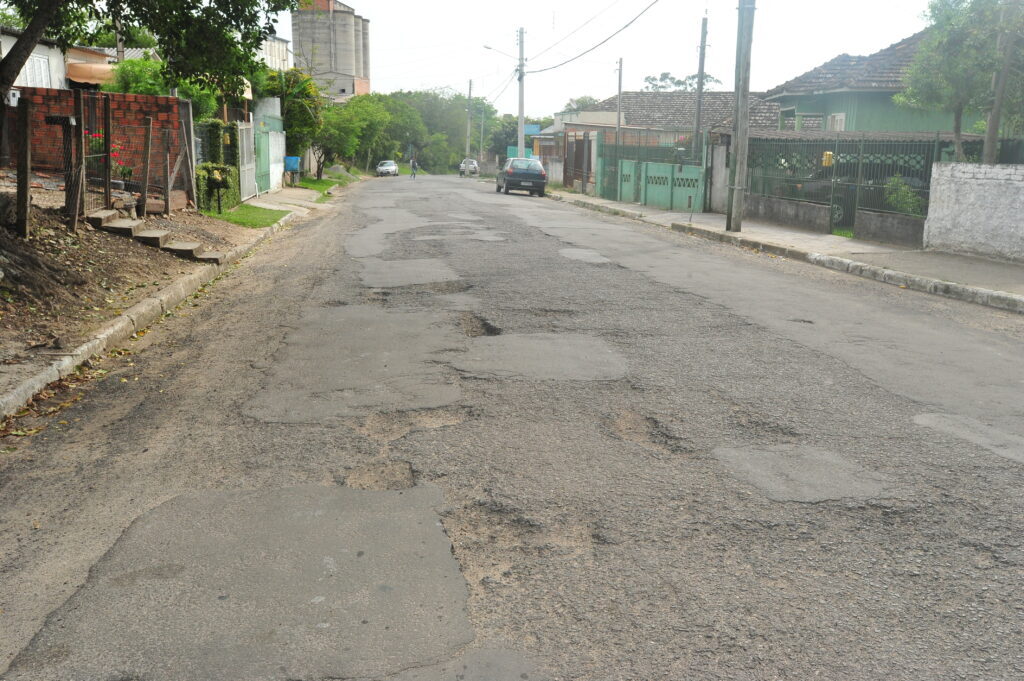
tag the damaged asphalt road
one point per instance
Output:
(447, 433)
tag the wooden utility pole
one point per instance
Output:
(700, 83)
(1005, 49)
(469, 118)
(741, 121)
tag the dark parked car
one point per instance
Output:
(526, 174)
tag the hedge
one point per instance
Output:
(230, 196)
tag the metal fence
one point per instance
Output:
(671, 147)
(850, 173)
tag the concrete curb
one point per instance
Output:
(136, 318)
(1002, 300)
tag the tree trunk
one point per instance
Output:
(958, 122)
(1007, 40)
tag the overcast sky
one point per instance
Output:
(417, 44)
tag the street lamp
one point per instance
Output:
(521, 72)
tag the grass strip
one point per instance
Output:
(249, 216)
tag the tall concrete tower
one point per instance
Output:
(332, 43)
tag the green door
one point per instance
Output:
(262, 160)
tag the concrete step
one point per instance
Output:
(99, 218)
(184, 249)
(217, 257)
(153, 237)
(122, 226)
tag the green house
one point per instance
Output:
(851, 93)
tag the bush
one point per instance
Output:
(206, 192)
(901, 198)
(210, 133)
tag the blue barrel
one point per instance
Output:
(291, 164)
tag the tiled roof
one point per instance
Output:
(883, 70)
(132, 52)
(677, 110)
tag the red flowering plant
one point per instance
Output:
(97, 146)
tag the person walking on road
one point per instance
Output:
(415, 166)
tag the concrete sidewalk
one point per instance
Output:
(973, 279)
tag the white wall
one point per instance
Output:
(977, 210)
(55, 73)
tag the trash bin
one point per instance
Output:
(291, 163)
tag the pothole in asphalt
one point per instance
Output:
(473, 325)
(648, 432)
(391, 426)
(764, 428)
(377, 296)
(382, 475)
(335, 303)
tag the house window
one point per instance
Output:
(837, 122)
(35, 73)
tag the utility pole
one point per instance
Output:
(618, 135)
(741, 119)
(481, 132)
(469, 117)
(1005, 49)
(697, 138)
(521, 137)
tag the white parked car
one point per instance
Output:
(387, 168)
(469, 166)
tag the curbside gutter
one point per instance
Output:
(1002, 300)
(136, 318)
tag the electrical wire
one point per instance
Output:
(576, 30)
(631, 21)
(503, 87)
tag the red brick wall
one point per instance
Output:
(128, 113)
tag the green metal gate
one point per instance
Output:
(662, 185)
(262, 160)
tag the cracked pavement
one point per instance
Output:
(595, 449)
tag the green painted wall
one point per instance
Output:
(875, 111)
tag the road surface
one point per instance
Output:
(446, 433)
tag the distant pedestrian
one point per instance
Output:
(415, 166)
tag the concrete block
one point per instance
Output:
(1007, 301)
(144, 313)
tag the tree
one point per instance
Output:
(301, 107)
(132, 36)
(214, 42)
(338, 138)
(584, 103)
(666, 82)
(146, 77)
(953, 66)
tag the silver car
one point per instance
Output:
(387, 168)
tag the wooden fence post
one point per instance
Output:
(147, 151)
(108, 168)
(167, 173)
(74, 186)
(24, 197)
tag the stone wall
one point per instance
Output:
(889, 228)
(977, 210)
(786, 212)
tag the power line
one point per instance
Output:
(576, 30)
(503, 87)
(631, 21)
